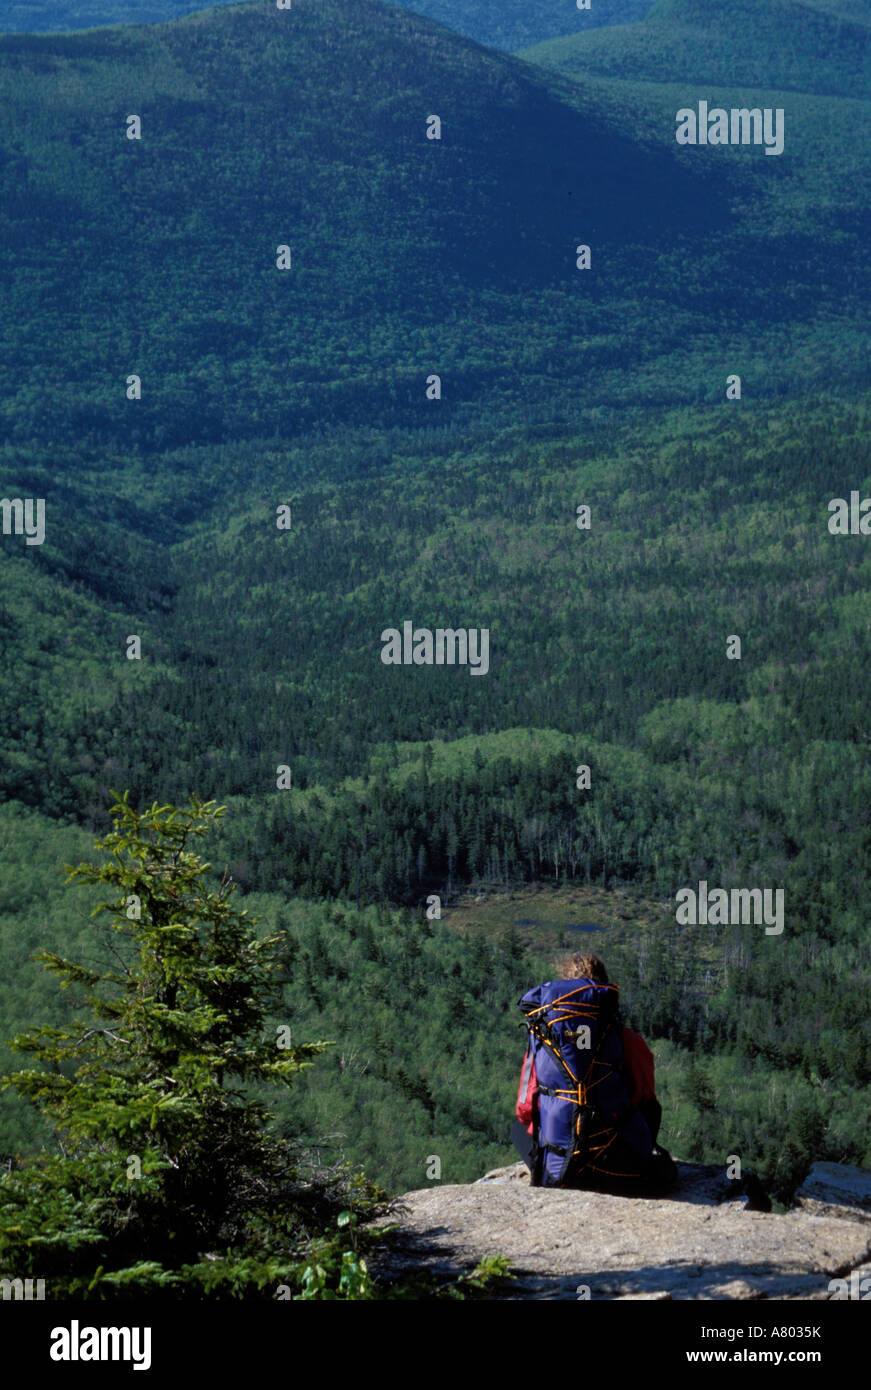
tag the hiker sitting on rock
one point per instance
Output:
(587, 1109)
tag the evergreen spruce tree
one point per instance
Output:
(166, 1179)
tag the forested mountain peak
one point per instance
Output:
(503, 24)
(314, 130)
(308, 129)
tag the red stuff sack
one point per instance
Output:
(527, 1092)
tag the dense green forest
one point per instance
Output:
(410, 781)
(261, 647)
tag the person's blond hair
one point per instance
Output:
(584, 967)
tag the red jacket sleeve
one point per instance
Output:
(638, 1065)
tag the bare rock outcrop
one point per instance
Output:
(835, 1189)
(702, 1241)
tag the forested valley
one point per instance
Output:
(561, 389)
(261, 649)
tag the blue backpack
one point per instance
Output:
(587, 1126)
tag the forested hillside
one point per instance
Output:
(59, 16)
(796, 47)
(261, 647)
(505, 24)
(410, 257)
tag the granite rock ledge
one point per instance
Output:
(699, 1242)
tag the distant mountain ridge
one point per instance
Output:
(703, 12)
(791, 45)
(502, 24)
